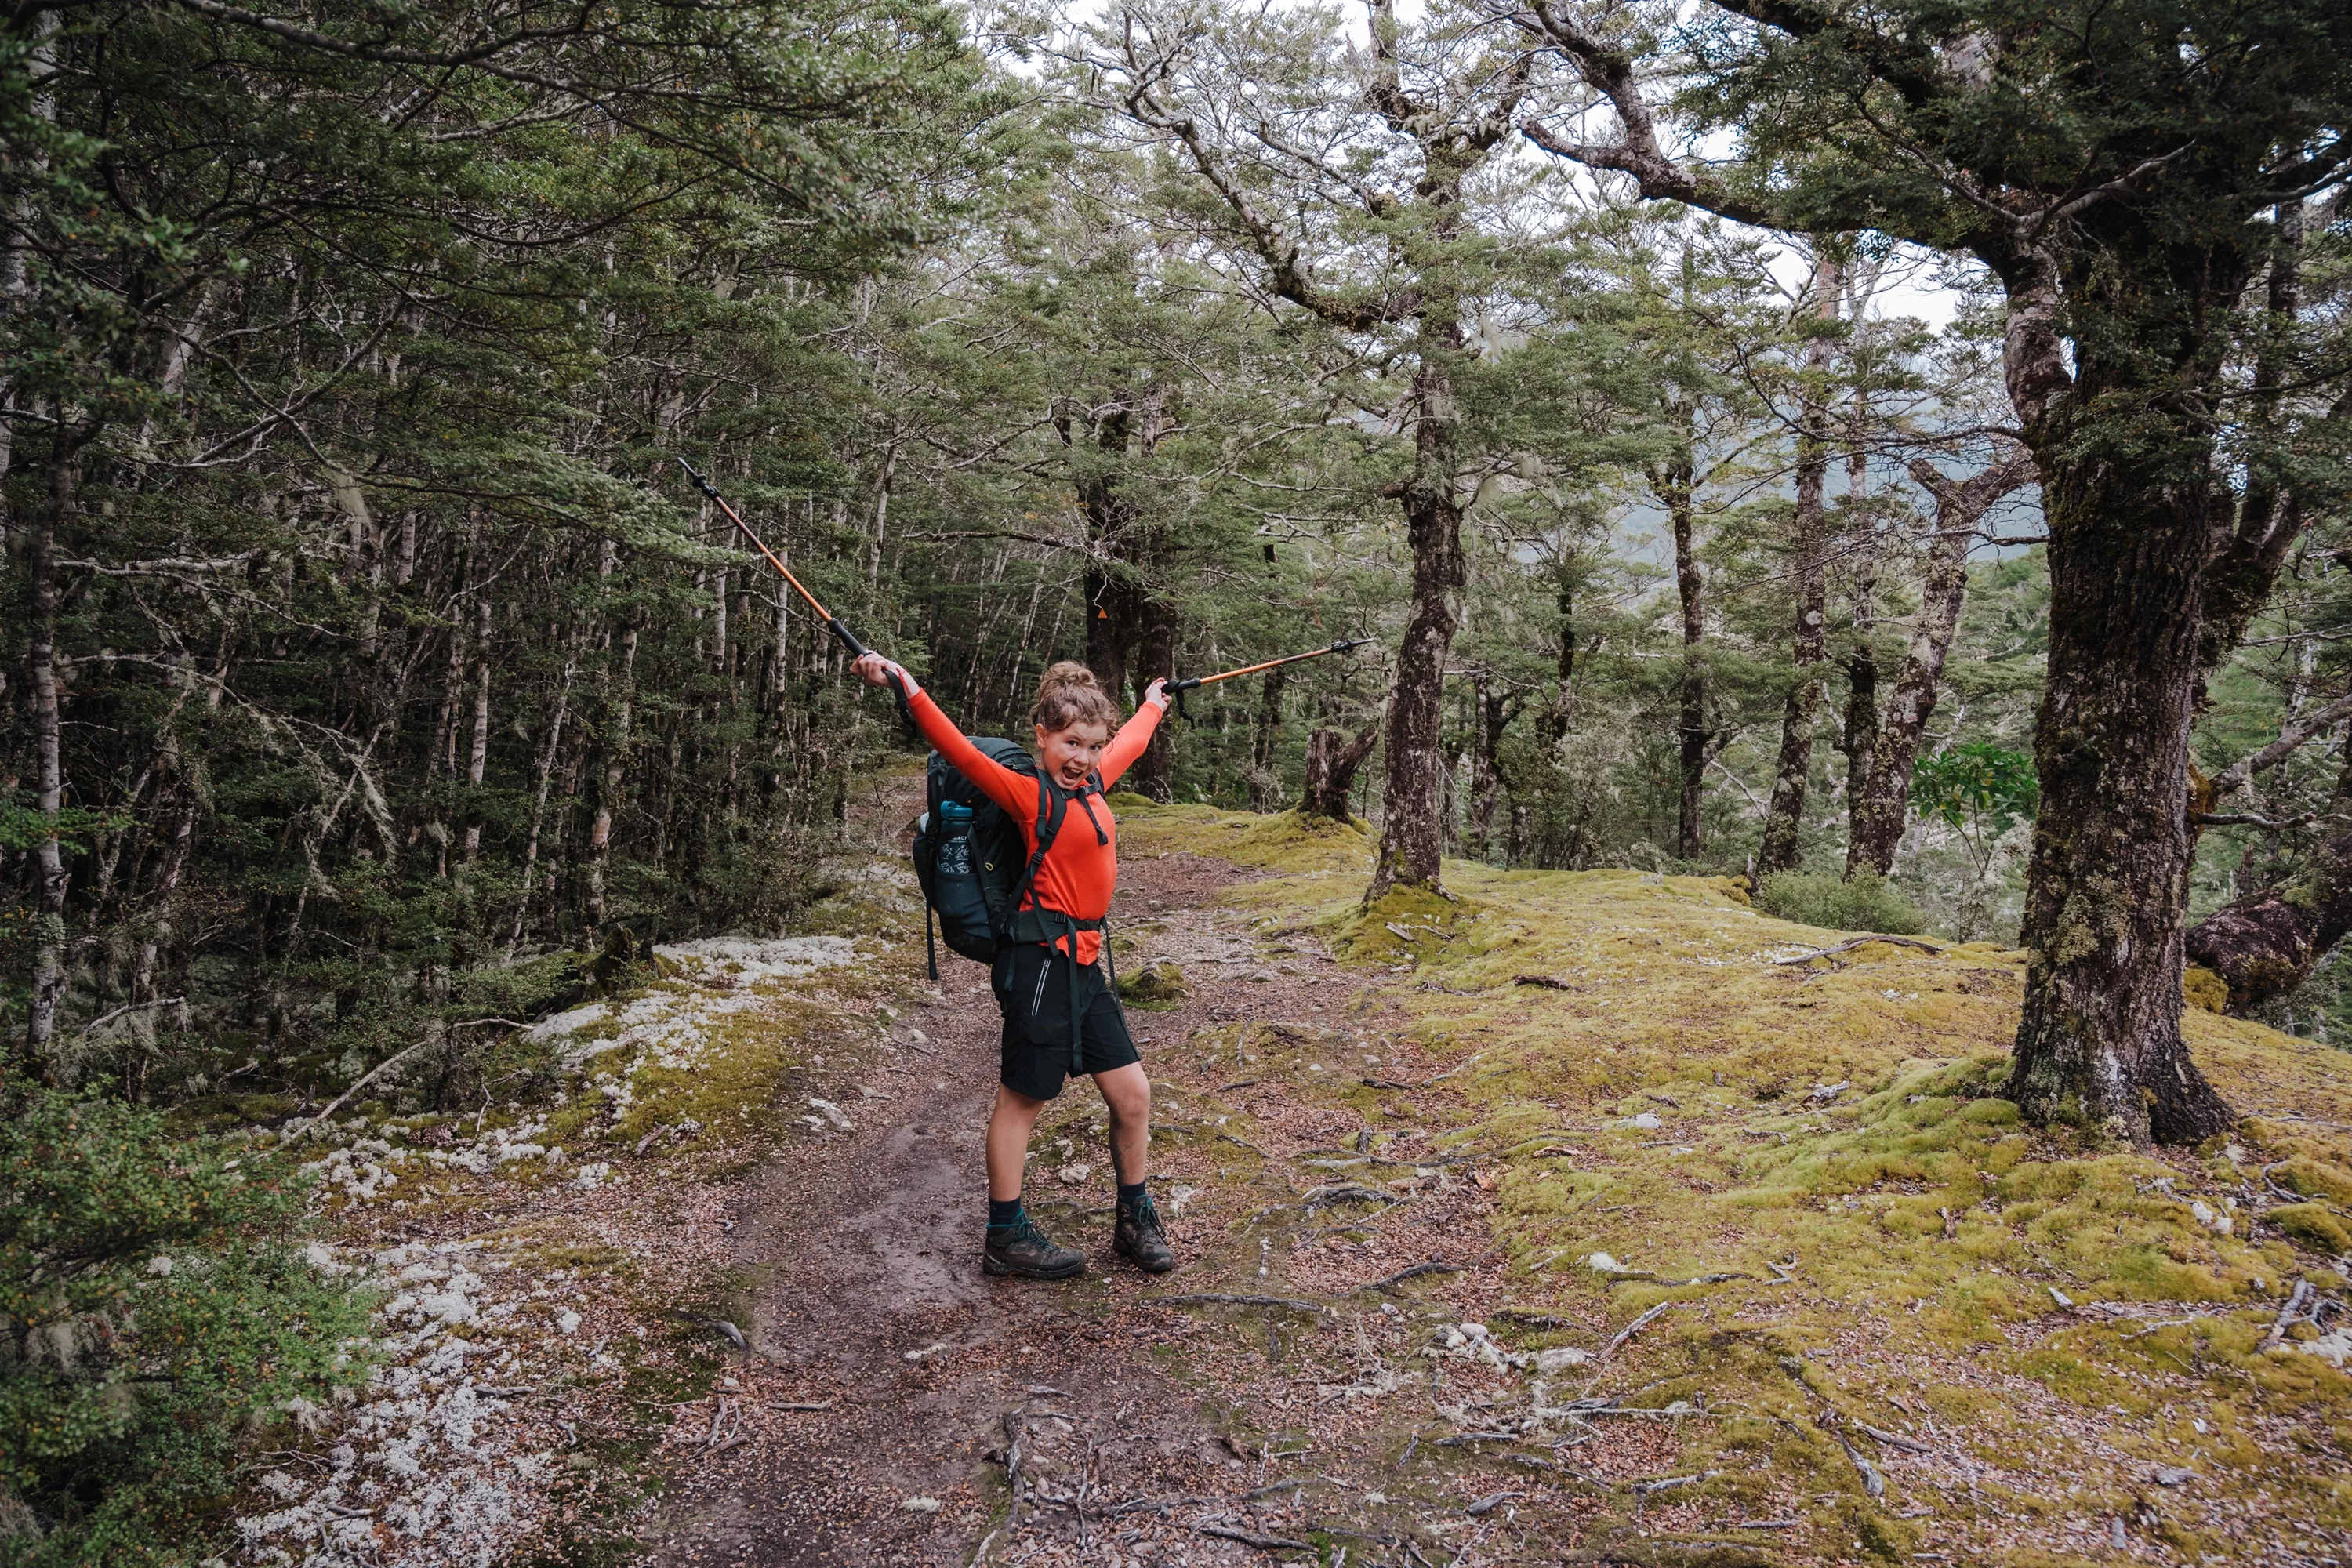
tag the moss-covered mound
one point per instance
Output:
(1805, 1144)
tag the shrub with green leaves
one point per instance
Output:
(159, 1319)
(1864, 903)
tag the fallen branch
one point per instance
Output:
(363, 1081)
(2289, 1315)
(1860, 942)
(1872, 1481)
(1218, 1298)
(103, 1019)
(1415, 1272)
(1544, 983)
(1252, 1538)
(1636, 1327)
(1892, 1440)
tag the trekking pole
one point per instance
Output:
(832, 622)
(1178, 688)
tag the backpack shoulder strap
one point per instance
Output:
(1051, 806)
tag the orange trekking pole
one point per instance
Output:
(1178, 688)
(832, 622)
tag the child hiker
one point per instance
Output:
(1061, 1017)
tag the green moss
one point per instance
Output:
(2313, 1225)
(1157, 987)
(2315, 1179)
(1847, 1119)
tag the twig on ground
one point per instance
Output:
(1860, 942)
(2289, 1315)
(362, 1082)
(1415, 1272)
(1892, 1440)
(1219, 1298)
(1253, 1537)
(1616, 1341)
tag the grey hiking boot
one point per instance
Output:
(1141, 1240)
(1021, 1249)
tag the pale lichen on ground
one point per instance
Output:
(503, 1353)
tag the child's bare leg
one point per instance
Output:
(1010, 1123)
(1128, 1093)
(1139, 1236)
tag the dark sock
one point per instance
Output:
(1004, 1213)
(1131, 1198)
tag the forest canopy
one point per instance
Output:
(371, 659)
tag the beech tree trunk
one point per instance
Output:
(2132, 535)
(1493, 710)
(1552, 724)
(1808, 644)
(1332, 761)
(1691, 725)
(48, 780)
(1880, 807)
(2099, 1043)
(1155, 659)
(1413, 837)
(1265, 787)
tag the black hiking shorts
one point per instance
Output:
(1032, 992)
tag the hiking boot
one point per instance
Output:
(1021, 1249)
(1141, 1240)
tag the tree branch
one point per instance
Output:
(1609, 72)
(2291, 739)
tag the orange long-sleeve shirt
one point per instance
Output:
(1080, 872)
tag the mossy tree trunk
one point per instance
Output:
(1674, 483)
(2133, 508)
(1413, 834)
(1333, 762)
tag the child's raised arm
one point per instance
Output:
(1133, 735)
(1013, 791)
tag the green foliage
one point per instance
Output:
(1978, 785)
(1863, 903)
(160, 1317)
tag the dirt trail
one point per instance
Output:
(862, 1250)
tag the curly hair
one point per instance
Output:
(1070, 695)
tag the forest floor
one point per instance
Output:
(1588, 1218)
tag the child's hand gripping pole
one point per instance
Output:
(832, 622)
(1177, 688)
